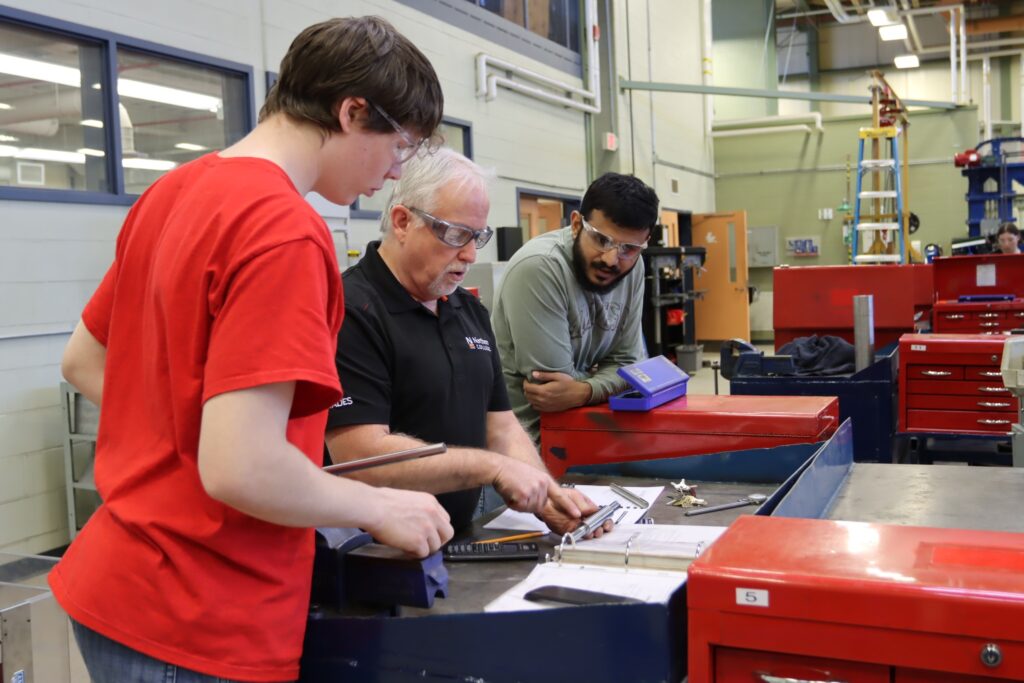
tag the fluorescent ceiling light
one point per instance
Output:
(881, 17)
(893, 32)
(37, 154)
(907, 62)
(190, 146)
(126, 87)
(5, 106)
(149, 164)
(40, 71)
(90, 152)
(159, 93)
(92, 123)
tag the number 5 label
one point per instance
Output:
(752, 597)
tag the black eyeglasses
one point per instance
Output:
(453, 234)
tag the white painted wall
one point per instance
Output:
(53, 255)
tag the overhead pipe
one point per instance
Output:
(986, 97)
(915, 37)
(953, 95)
(487, 83)
(839, 12)
(707, 66)
(796, 128)
(978, 45)
(963, 58)
(810, 117)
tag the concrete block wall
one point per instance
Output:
(53, 255)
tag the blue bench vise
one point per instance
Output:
(350, 569)
(738, 358)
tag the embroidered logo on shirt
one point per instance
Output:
(478, 344)
(346, 401)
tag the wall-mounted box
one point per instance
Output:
(763, 246)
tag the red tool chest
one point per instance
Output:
(986, 275)
(951, 383)
(819, 300)
(817, 600)
(691, 425)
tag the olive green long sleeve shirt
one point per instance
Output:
(544, 320)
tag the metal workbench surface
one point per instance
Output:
(952, 497)
(471, 585)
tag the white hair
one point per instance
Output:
(425, 174)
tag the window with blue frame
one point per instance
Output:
(51, 133)
(173, 112)
(88, 116)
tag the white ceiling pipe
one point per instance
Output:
(837, 10)
(979, 45)
(810, 117)
(797, 128)
(707, 69)
(963, 57)
(487, 84)
(986, 98)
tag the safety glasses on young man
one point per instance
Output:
(453, 234)
(604, 243)
(409, 147)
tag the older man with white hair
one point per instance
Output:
(418, 360)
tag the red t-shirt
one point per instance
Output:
(224, 278)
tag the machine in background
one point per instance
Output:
(668, 309)
(991, 170)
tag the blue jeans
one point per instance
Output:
(111, 662)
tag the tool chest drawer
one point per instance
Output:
(927, 402)
(735, 665)
(951, 383)
(958, 421)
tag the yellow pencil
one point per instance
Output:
(515, 537)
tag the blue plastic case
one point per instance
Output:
(655, 381)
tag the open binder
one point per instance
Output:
(643, 561)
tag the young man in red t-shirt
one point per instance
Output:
(209, 346)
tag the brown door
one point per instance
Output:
(670, 219)
(724, 310)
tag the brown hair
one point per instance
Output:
(1008, 228)
(356, 57)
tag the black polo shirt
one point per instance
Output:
(433, 377)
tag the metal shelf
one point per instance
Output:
(81, 420)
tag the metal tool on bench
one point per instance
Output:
(752, 499)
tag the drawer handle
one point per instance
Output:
(993, 422)
(988, 315)
(954, 316)
(768, 678)
(936, 373)
(992, 404)
(1019, 314)
(989, 324)
(990, 373)
(994, 390)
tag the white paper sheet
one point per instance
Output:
(643, 584)
(601, 495)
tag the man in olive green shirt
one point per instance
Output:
(567, 312)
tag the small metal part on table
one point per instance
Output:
(752, 499)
